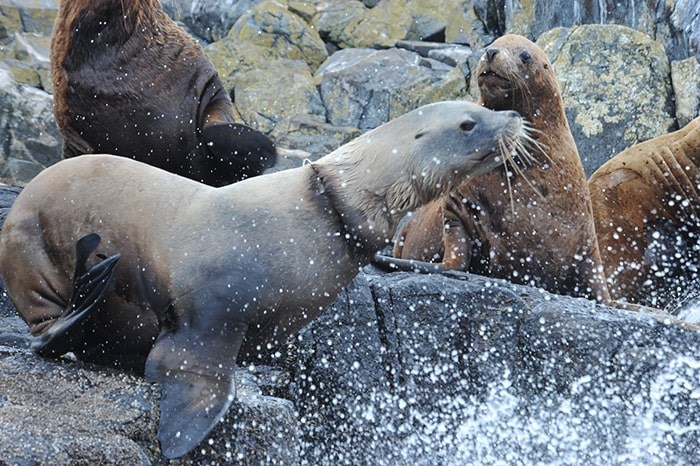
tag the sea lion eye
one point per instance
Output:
(525, 57)
(467, 125)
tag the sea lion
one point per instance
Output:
(532, 226)
(129, 81)
(206, 271)
(645, 204)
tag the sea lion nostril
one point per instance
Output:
(491, 52)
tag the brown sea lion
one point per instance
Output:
(129, 81)
(533, 225)
(646, 203)
(206, 271)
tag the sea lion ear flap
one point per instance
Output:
(196, 375)
(249, 151)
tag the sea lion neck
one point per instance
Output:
(370, 214)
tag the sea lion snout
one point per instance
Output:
(491, 52)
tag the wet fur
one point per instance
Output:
(534, 226)
(645, 203)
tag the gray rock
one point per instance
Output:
(461, 369)
(616, 85)
(30, 16)
(33, 54)
(455, 55)
(209, 19)
(674, 23)
(275, 90)
(272, 25)
(332, 17)
(380, 26)
(31, 140)
(686, 88)
(312, 135)
(364, 88)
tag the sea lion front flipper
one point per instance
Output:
(195, 371)
(393, 264)
(90, 287)
(248, 151)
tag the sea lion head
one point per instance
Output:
(515, 73)
(460, 139)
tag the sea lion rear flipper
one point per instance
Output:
(248, 151)
(89, 291)
(195, 373)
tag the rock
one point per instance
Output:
(450, 54)
(310, 134)
(208, 19)
(77, 414)
(31, 140)
(674, 23)
(33, 54)
(275, 90)
(456, 368)
(333, 16)
(364, 88)
(84, 414)
(476, 23)
(272, 25)
(29, 16)
(616, 85)
(686, 88)
(380, 26)
(265, 87)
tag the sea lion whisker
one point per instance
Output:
(535, 144)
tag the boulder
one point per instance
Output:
(31, 140)
(312, 135)
(28, 16)
(456, 369)
(616, 85)
(209, 19)
(366, 87)
(275, 90)
(271, 25)
(331, 17)
(686, 89)
(380, 26)
(32, 65)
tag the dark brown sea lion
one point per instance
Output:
(206, 271)
(646, 204)
(534, 226)
(129, 81)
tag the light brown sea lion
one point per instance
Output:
(646, 203)
(129, 81)
(198, 268)
(534, 227)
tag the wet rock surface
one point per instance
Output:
(448, 369)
